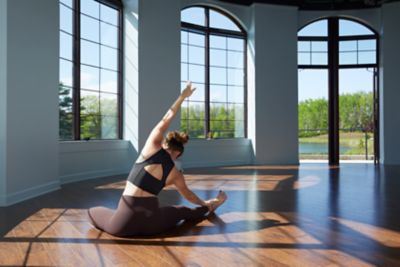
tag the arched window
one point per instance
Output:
(338, 91)
(357, 44)
(90, 69)
(213, 57)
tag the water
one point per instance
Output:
(318, 148)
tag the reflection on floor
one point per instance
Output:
(307, 215)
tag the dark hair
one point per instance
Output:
(175, 141)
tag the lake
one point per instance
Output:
(318, 148)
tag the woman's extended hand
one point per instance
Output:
(189, 89)
(214, 203)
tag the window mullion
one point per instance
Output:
(99, 71)
(226, 123)
(120, 77)
(245, 89)
(357, 50)
(207, 75)
(77, 70)
(333, 106)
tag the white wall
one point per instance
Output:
(86, 160)
(276, 120)
(214, 152)
(32, 98)
(390, 88)
(3, 99)
(159, 62)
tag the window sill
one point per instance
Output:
(93, 145)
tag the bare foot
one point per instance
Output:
(218, 201)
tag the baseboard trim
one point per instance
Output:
(29, 193)
(3, 201)
(388, 163)
(77, 177)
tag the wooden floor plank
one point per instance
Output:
(307, 215)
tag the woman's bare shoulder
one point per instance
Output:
(147, 152)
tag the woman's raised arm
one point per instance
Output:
(157, 134)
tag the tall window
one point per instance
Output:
(213, 57)
(338, 96)
(90, 69)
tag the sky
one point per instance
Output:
(313, 84)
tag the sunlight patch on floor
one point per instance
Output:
(307, 181)
(236, 183)
(384, 236)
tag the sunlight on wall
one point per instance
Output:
(251, 90)
(131, 74)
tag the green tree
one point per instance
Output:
(355, 111)
(313, 115)
(90, 117)
(99, 119)
(225, 121)
(65, 112)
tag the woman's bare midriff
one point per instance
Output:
(134, 191)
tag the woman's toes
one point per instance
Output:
(221, 196)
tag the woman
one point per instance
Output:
(138, 211)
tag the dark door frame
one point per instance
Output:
(333, 38)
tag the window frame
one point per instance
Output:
(333, 67)
(372, 36)
(76, 67)
(207, 31)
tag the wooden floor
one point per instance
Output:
(310, 215)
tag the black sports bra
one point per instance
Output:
(144, 180)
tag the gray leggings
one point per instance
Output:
(141, 216)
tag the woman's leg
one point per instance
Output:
(172, 215)
(114, 222)
(100, 217)
(121, 222)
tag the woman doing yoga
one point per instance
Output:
(138, 211)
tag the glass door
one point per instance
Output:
(356, 114)
(313, 114)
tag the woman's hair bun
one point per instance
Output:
(180, 137)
